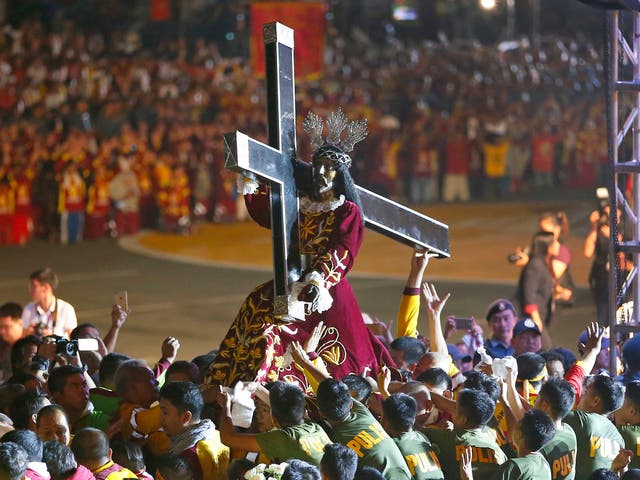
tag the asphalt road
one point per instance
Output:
(196, 303)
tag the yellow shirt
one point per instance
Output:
(144, 424)
(495, 159)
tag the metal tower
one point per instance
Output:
(622, 57)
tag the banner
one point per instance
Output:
(307, 21)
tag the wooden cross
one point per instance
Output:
(275, 162)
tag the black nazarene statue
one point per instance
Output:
(257, 346)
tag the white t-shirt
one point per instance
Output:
(62, 312)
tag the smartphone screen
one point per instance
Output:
(87, 345)
(463, 323)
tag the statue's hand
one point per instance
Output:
(310, 294)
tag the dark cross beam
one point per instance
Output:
(275, 164)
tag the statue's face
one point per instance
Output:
(324, 173)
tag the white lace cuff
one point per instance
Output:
(296, 307)
(247, 185)
(324, 297)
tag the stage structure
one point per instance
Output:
(276, 164)
(622, 57)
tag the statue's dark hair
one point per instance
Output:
(344, 185)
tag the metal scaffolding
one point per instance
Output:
(622, 57)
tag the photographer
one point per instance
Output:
(535, 286)
(596, 246)
(558, 224)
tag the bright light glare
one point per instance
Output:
(488, 4)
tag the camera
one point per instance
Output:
(67, 347)
(514, 257)
(603, 202)
(72, 347)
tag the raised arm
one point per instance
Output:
(118, 317)
(592, 236)
(302, 359)
(434, 307)
(409, 310)
(228, 434)
(575, 375)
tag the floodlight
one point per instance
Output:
(488, 4)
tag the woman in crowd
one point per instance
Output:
(536, 283)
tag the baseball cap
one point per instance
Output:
(525, 325)
(631, 352)
(582, 340)
(456, 354)
(500, 305)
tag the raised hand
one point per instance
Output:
(594, 337)
(434, 303)
(384, 380)
(299, 354)
(466, 473)
(311, 343)
(169, 348)
(118, 316)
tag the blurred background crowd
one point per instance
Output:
(112, 119)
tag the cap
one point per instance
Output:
(525, 325)
(631, 352)
(456, 354)
(582, 340)
(500, 305)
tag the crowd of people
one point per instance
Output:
(457, 400)
(103, 136)
(81, 110)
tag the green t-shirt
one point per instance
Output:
(598, 441)
(105, 400)
(631, 436)
(449, 446)
(305, 442)
(422, 461)
(362, 433)
(94, 419)
(529, 467)
(560, 453)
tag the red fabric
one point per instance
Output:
(160, 10)
(82, 473)
(307, 21)
(104, 474)
(95, 225)
(191, 456)
(575, 376)
(127, 223)
(6, 236)
(458, 157)
(161, 367)
(421, 165)
(23, 196)
(542, 153)
(147, 209)
(33, 475)
(7, 99)
(255, 345)
(21, 230)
